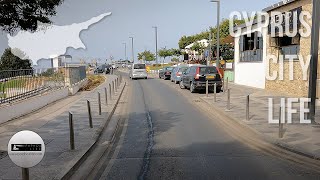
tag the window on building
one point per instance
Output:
(251, 47)
(287, 45)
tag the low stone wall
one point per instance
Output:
(29, 105)
(76, 87)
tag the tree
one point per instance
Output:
(176, 52)
(198, 47)
(25, 15)
(164, 53)
(146, 55)
(9, 61)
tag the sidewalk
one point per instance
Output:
(300, 138)
(53, 127)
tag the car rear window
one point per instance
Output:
(183, 69)
(169, 68)
(208, 70)
(139, 66)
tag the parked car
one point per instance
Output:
(138, 71)
(177, 73)
(165, 73)
(195, 77)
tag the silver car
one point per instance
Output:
(138, 71)
(177, 73)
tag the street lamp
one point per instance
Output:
(156, 32)
(125, 51)
(313, 73)
(132, 49)
(218, 33)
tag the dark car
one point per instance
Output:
(100, 69)
(196, 76)
(165, 73)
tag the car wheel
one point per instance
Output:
(192, 88)
(181, 85)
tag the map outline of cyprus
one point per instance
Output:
(50, 40)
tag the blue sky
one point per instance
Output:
(174, 19)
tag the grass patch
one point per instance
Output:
(93, 82)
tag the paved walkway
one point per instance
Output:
(300, 138)
(52, 124)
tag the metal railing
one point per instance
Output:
(25, 83)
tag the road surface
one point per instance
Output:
(167, 137)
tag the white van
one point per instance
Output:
(138, 71)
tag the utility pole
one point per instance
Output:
(218, 33)
(125, 51)
(210, 46)
(156, 33)
(132, 49)
(313, 73)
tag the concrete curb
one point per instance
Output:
(271, 140)
(82, 155)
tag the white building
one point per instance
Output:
(249, 58)
(188, 50)
(61, 60)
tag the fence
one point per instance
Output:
(25, 83)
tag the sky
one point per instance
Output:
(174, 18)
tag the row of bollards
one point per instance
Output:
(115, 85)
(247, 109)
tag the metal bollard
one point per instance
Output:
(227, 83)
(207, 88)
(215, 92)
(110, 92)
(25, 173)
(71, 131)
(113, 87)
(228, 103)
(247, 108)
(280, 124)
(106, 95)
(89, 113)
(99, 103)
(120, 78)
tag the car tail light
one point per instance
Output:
(178, 73)
(197, 74)
(167, 72)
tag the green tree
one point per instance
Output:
(224, 33)
(176, 52)
(164, 53)
(9, 61)
(146, 55)
(25, 15)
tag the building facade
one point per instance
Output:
(251, 68)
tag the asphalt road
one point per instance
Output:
(167, 137)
